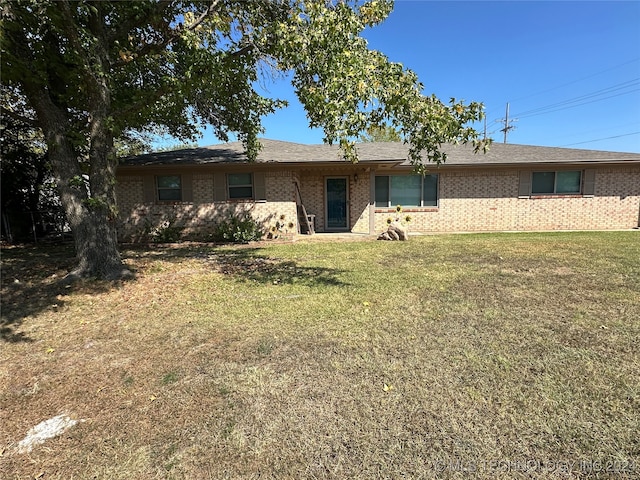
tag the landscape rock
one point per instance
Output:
(395, 231)
(401, 230)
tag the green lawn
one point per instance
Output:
(466, 356)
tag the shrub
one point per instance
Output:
(165, 232)
(239, 228)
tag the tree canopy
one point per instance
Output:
(90, 72)
(380, 133)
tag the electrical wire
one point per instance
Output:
(576, 81)
(583, 99)
(599, 139)
(612, 91)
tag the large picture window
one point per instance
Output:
(406, 190)
(169, 188)
(556, 182)
(240, 186)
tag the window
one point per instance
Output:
(240, 185)
(556, 182)
(406, 190)
(169, 188)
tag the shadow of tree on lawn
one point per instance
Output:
(251, 264)
(33, 281)
(242, 262)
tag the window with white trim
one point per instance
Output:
(406, 190)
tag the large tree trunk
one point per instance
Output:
(88, 197)
(96, 246)
(91, 215)
(90, 208)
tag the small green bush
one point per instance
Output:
(239, 228)
(165, 232)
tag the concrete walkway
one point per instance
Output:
(335, 236)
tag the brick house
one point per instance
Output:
(511, 188)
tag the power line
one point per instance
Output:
(584, 103)
(602, 91)
(612, 91)
(587, 98)
(580, 100)
(618, 127)
(576, 81)
(600, 139)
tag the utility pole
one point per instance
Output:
(507, 127)
(485, 128)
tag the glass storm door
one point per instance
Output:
(336, 195)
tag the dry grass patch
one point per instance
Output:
(511, 355)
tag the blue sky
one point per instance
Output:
(570, 70)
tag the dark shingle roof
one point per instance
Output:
(276, 151)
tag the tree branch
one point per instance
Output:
(127, 25)
(137, 106)
(204, 15)
(150, 48)
(72, 34)
(20, 118)
(244, 50)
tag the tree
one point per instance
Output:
(88, 72)
(380, 133)
(24, 166)
(28, 198)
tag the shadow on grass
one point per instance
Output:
(32, 276)
(249, 264)
(32, 282)
(243, 263)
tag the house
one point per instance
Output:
(510, 188)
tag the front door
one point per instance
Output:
(336, 189)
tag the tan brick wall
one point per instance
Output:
(312, 190)
(281, 202)
(199, 218)
(280, 186)
(359, 204)
(129, 191)
(468, 201)
(203, 188)
(488, 201)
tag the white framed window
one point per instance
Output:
(406, 190)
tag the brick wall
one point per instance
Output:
(203, 188)
(488, 201)
(469, 200)
(359, 204)
(281, 202)
(312, 190)
(200, 217)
